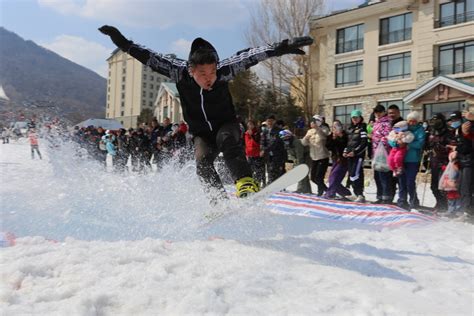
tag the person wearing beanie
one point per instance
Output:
(355, 153)
(407, 197)
(380, 131)
(203, 85)
(399, 133)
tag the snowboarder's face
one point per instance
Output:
(204, 75)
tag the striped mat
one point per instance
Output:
(372, 214)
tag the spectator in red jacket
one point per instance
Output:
(33, 138)
(252, 152)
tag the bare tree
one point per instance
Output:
(274, 20)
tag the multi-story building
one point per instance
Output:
(131, 87)
(418, 54)
(168, 104)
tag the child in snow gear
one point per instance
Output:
(202, 82)
(398, 138)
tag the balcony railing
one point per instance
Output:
(395, 36)
(455, 19)
(454, 68)
(349, 46)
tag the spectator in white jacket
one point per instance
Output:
(316, 138)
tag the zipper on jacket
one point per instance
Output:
(203, 111)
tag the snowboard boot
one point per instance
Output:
(246, 186)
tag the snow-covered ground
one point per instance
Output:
(91, 242)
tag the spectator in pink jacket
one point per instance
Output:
(383, 180)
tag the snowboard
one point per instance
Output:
(290, 177)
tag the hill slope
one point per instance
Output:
(38, 80)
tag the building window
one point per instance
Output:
(121, 122)
(395, 29)
(350, 39)
(122, 104)
(456, 58)
(143, 94)
(122, 113)
(151, 95)
(123, 87)
(124, 70)
(151, 78)
(123, 79)
(150, 104)
(349, 74)
(143, 102)
(151, 86)
(108, 96)
(404, 109)
(165, 111)
(397, 66)
(144, 76)
(108, 105)
(445, 108)
(123, 95)
(343, 113)
(455, 12)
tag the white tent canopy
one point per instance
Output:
(104, 123)
(3, 95)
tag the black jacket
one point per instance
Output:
(337, 145)
(272, 145)
(204, 110)
(357, 139)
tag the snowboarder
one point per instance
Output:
(202, 82)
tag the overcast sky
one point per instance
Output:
(69, 27)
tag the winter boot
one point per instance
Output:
(246, 186)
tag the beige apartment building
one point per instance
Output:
(418, 54)
(168, 104)
(131, 87)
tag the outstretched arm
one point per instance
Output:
(249, 57)
(164, 64)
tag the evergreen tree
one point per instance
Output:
(289, 112)
(146, 116)
(244, 89)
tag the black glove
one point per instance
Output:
(292, 46)
(119, 40)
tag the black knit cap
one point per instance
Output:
(456, 115)
(201, 44)
(438, 116)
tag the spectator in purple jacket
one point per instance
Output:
(383, 180)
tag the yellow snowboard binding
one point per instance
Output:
(246, 186)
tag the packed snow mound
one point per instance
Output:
(90, 242)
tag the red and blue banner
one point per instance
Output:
(372, 214)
